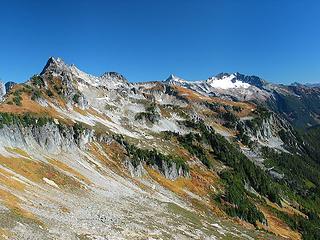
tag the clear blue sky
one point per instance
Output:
(278, 40)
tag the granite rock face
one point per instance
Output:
(51, 137)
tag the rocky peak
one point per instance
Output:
(252, 80)
(110, 80)
(9, 85)
(54, 65)
(114, 76)
(172, 79)
(222, 75)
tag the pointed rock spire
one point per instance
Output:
(53, 64)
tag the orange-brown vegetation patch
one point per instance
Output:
(200, 183)
(115, 151)
(64, 209)
(194, 96)
(222, 128)
(35, 171)
(208, 113)
(81, 111)
(246, 107)
(164, 112)
(277, 226)
(92, 112)
(99, 115)
(5, 234)
(109, 154)
(156, 87)
(182, 152)
(69, 170)
(286, 208)
(29, 106)
(190, 94)
(7, 179)
(203, 180)
(17, 151)
(13, 203)
(175, 186)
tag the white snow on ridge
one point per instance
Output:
(224, 82)
(227, 82)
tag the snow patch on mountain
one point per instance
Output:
(226, 82)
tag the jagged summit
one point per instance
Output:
(52, 64)
(114, 75)
(251, 79)
(173, 79)
(57, 66)
(221, 75)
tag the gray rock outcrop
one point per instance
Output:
(2, 90)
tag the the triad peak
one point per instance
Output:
(113, 76)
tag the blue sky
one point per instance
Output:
(278, 40)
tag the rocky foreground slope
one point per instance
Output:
(85, 157)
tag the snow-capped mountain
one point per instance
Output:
(226, 81)
(229, 86)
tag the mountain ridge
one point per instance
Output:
(126, 151)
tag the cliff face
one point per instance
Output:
(52, 138)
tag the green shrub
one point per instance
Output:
(49, 93)
(37, 81)
(24, 120)
(151, 157)
(234, 158)
(36, 94)
(17, 100)
(150, 114)
(76, 98)
(188, 142)
(239, 204)
(230, 119)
